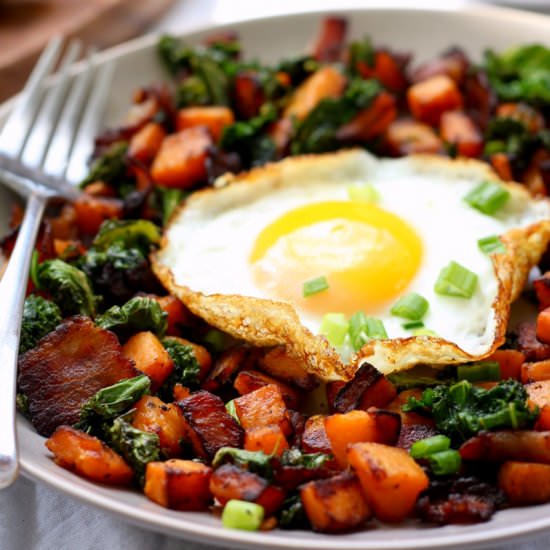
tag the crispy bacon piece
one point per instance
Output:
(330, 41)
(501, 165)
(88, 456)
(453, 63)
(526, 445)
(225, 367)
(542, 290)
(248, 94)
(69, 366)
(315, 438)
(388, 68)
(349, 396)
(208, 425)
(231, 482)
(533, 349)
(410, 433)
(479, 98)
(407, 137)
(465, 500)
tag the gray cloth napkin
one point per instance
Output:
(35, 517)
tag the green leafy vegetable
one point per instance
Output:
(317, 132)
(298, 68)
(140, 234)
(192, 91)
(311, 461)
(169, 199)
(110, 167)
(292, 514)
(40, 316)
(112, 401)
(68, 286)
(138, 314)
(136, 446)
(186, 367)
(361, 51)
(421, 376)
(254, 461)
(462, 410)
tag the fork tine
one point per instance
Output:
(90, 123)
(55, 162)
(16, 128)
(35, 148)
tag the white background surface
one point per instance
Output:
(34, 517)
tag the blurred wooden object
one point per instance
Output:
(27, 25)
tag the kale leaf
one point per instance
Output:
(311, 461)
(317, 133)
(186, 367)
(254, 461)
(298, 68)
(40, 316)
(136, 446)
(138, 314)
(361, 51)
(520, 74)
(109, 167)
(140, 234)
(462, 410)
(112, 401)
(168, 200)
(68, 286)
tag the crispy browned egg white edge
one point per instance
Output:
(268, 323)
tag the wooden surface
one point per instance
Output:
(27, 25)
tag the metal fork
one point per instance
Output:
(44, 145)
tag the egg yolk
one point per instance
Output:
(368, 256)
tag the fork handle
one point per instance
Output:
(13, 288)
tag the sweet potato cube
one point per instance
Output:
(269, 439)
(386, 69)
(69, 366)
(177, 313)
(510, 362)
(336, 504)
(314, 438)
(380, 394)
(390, 478)
(539, 396)
(91, 212)
(429, 99)
(231, 482)
(181, 160)
(145, 143)
(263, 407)
(525, 483)
(535, 372)
(279, 363)
(214, 118)
(459, 130)
(501, 165)
(248, 381)
(179, 484)
(542, 290)
(150, 357)
(88, 457)
(166, 420)
(407, 137)
(325, 83)
(543, 325)
(356, 426)
(229, 362)
(208, 424)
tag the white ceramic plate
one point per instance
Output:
(424, 33)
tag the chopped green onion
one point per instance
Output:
(484, 370)
(456, 280)
(240, 514)
(429, 446)
(491, 245)
(215, 340)
(230, 408)
(445, 463)
(488, 197)
(412, 307)
(410, 325)
(334, 327)
(424, 332)
(363, 328)
(363, 192)
(314, 286)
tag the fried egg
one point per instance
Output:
(373, 231)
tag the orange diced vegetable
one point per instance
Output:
(385, 69)
(429, 99)
(269, 439)
(534, 372)
(409, 418)
(214, 118)
(460, 131)
(146, 142)
(543, 326)
(150, 357)
(181, 160)
(179, 484)
(231, 482)
(180, 392)
(166, 420)
(91, 212)
(229, 362)
(407, 137)
(380, 394)
(176, 311)
(501, 165)
(335, 504)
(263, 407)
(248, 380)
(525, 483)
(325, 83)
(88, 456)
(510, 362)
(539, 396)
(390, 478)
(279, 363)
